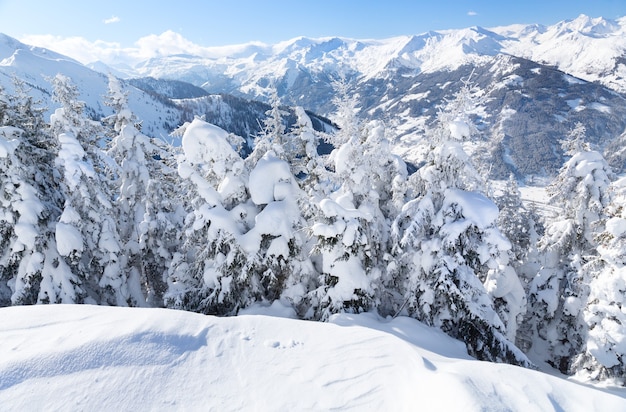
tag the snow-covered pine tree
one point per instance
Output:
(4, 105)
(559, 291)
(20, 217)
(521, 225)
(604, 355)
(276, 244)
(272, 137)
(352, 225)
(86, 233)
(145, 201)
(29, 114)
(302, 154)
(450, 258)
(31, 203)
(210, 273)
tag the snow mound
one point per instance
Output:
(69, 357)
(476, 208)
(204, 142)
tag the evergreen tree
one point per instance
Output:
(21, 212)
(28, 115)
(276, 244)
(273, 136)
(31, 203)
(521, 225)
(86, 233)
(559, 291)
(211, 272)
(451, 261)
(145, 203)
(352, 223)
(604, 355)
(302, 154)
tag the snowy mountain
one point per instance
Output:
(96, 358)
(538, 82)
(160, 105)
(35, 66)
(592, 49)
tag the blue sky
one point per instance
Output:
(227, 22)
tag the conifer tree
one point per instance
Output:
(559, 291)
(19, 226)
(604, 355)
(86, 233)
(351, 226)
(31, 203)
(272, 136)
(211, 272)
(276, 244)
(145, 202)
(451, 260)
(521, 225)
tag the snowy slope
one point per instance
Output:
(593, 49)
(100, 358)
(36, 65)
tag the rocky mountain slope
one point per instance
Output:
(537, 82)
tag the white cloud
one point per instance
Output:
(112, 19)
(472, 13)
(153, 45)
(78, 48)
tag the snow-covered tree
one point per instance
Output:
(520, 224)
(86, 233)
(146, 201)
(30, 207)
(210, 273)
(559, 291)
(604, 354)
(273, 135)
(302, 154)
(276, 245)
(351, 226)
(451, 261)
(28, 114)
(20, 214)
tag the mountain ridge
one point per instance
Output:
(573, 71)
(536, 42)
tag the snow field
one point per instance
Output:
(80, 357)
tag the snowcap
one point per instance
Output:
(206, 143)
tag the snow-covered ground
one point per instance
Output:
(80, 357)
(536, 196)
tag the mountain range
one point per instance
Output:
(536, 82)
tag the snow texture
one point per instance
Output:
(99, 358)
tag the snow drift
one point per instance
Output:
(79, 357)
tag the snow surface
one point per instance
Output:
(204, 142)
(477, 208)
(80, 357)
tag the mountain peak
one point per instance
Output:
(597, 26)
(8, 46)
